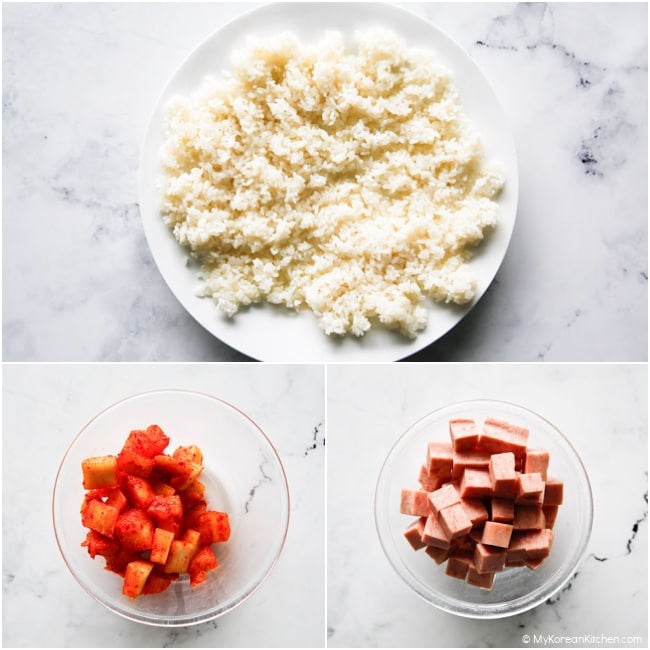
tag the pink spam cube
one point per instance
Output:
(529, 518)
(503, 510)
(538, 544)
(530, 545)
(464, 545)
(415, 502)
(428, 482)
(475, 484)
(503, 477)
(530, 487)
(516, 551)
(475, 510)
(464, 434)
(487, 558)
(439, 459)
(414, 533)
(434, 534)
(438, 555)
(553, 492)
(458, 566)
(482, 580)
(550, 515)
(473, 458)
(535, 500)
(496, 534)
(533, 564)
(499, 436)
(454, 521)
(443, 497)
(536, 462)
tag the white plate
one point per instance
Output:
(270, 333)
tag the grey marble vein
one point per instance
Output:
(317, 439)
(264, 477)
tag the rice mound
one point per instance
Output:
(346, 181)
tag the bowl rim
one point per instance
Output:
(530, 602)
(186, 620)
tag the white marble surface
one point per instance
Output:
(79, 81)
(605, 409)
(45, 407)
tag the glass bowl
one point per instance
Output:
(516, 589)
(243, 475)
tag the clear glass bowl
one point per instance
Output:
(517, 589)
(243, 475)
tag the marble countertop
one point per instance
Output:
(44, 408)
(603, 409)
(80, 80)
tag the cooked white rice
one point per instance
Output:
(346, 181)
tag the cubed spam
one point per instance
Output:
(486, 502)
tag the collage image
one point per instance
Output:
(324, 325)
